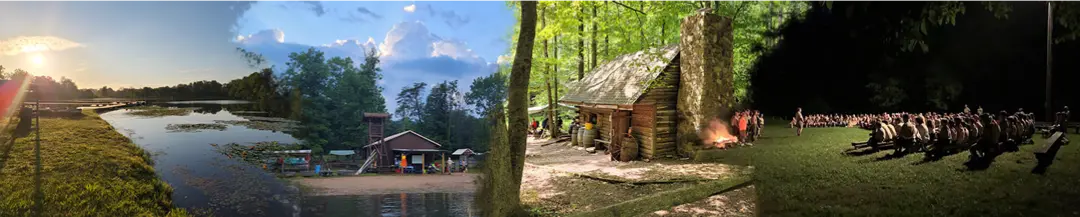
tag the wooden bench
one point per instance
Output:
(1046, 126)
(1045, 153)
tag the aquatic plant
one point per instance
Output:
(254, 154)
(158, 111)
(173, 128)
(261, 125)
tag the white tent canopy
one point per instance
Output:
(538, 109)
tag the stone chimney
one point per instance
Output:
(706, 76)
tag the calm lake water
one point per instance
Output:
(208, 183)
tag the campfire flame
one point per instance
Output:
(717, 134)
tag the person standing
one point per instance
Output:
(761, 125)
(799, 121)
(742, 126)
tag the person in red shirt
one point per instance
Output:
(742, 126)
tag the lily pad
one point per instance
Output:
(194, 127)
(158, 111)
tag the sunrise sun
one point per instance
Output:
(38, 59)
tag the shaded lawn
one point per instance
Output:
(810, 176)
(89, 169)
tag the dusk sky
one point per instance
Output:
(137, 44)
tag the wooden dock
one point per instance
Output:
(78, 106)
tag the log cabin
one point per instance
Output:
(663, 96)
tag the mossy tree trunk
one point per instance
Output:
(500, 192)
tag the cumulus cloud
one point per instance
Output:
(412, 40)
(30, 44)
(352, 47)
(271, 44)
(264, 36)
(411, 8)
(407, 40)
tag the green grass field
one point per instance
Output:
(811, 176)
(89, 169)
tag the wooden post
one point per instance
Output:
(423, 163)
(1049, 42)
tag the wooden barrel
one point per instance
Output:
(588, 138)
(629, 149)
(580, 132)
(574, 137)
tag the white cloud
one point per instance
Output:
(505, 59)
(264, 36)
(412, 40)
(410, 8)
(407, 40)
(30, 44)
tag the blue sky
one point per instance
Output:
(137, 44)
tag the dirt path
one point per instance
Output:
(739, 202)
(389, 184)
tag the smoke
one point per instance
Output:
(716, 133)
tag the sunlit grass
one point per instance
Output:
(88, 169)
(809, 176)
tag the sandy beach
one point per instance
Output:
(389, 184)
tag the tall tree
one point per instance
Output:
(581, 43)
(501, 185)
(437, 113)
(410, 105)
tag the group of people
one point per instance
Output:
(833, 120)
(537, 128)
(982, 132)
(748, 125)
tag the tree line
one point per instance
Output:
(66, 89)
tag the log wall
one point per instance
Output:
(659, 116)
(603, 120)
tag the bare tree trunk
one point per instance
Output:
(607, 44)
(581, 43)
(595, 28)
(1049, 43)
(555, 91)
(550, 68)
(505, 166)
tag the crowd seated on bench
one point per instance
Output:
(979, 132)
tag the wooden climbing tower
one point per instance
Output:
(376, 128)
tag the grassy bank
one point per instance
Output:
(811, 176)
(88, 169)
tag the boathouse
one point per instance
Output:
(662, 96)
(417, 149)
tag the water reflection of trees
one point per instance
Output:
(422, 204)
(236, 189)
(208, 109)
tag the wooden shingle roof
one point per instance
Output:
(621, 81)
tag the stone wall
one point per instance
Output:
(706, 89)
